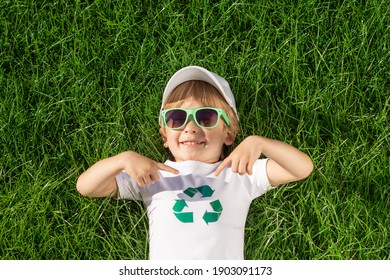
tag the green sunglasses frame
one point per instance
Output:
(192, 112)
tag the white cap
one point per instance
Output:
(190, 73)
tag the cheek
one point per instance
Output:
(219, 137)
(171, 136)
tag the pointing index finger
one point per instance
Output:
(164, 167)
(222, 166)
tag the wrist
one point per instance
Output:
(257, 140)
(262, 143)
(123, 158)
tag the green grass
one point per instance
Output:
(82, 80)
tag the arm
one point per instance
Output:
(286, 163)
(99, 179)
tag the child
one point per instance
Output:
(197, 202)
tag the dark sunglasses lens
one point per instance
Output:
(175, 118)
(207, 117)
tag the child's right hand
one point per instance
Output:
(142, 169)
(99, 179)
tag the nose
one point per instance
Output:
(191, 127)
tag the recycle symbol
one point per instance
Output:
(188, 217)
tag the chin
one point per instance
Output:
(197, 157)
(189, 157)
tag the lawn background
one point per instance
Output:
(82, 80)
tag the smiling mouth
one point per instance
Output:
(192, 143)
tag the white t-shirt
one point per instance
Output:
(196, 215)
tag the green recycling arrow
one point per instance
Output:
(179, 205)
(190, 192)
(205, 190)
(211, 217)
(186, 217)
(217, 207)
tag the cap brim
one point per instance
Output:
(199, 73)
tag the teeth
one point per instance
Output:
(191, 143)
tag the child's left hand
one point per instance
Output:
(243, 156)
(285, 163)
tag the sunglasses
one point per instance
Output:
(205, 117)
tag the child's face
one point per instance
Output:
(195, 143)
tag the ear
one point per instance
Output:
(230, 137)
(163, 137)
